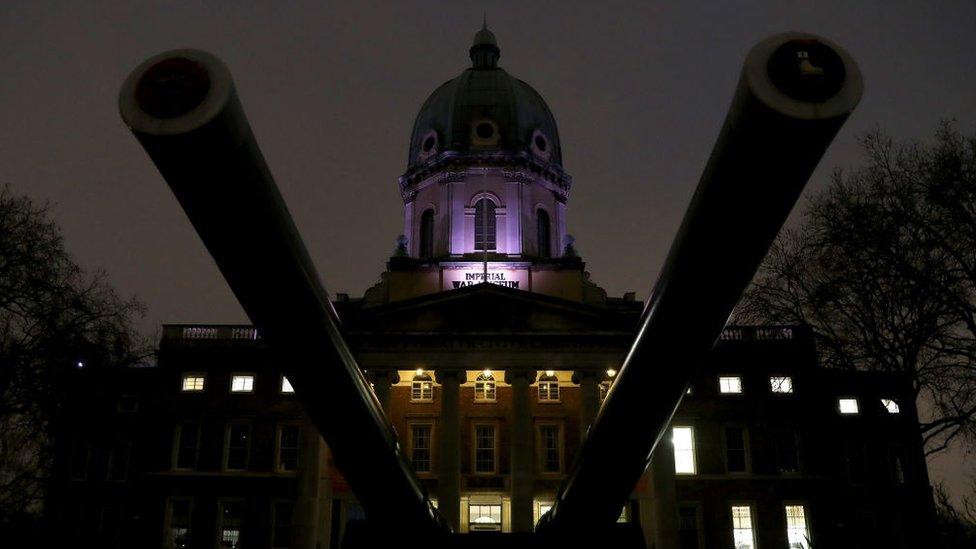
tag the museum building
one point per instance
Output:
(210, 447)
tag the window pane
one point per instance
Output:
(192, 382)
(787, 455)
(286, 386)
(288, 440)
(684, 450)
(847, 405)
(742, 535)
(688, 527)
(238, 438)
(282, 531)
(735, 450)
(188, 438)
(422, 389)
(730, 384)
(796, 527)
(550, 448)
(242, 384)
(783, 384)
(484, 225)
(179, 522)
(420, 442)
(890, 406)
(484, 449)
(231, 515)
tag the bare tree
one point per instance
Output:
(883, 268)
(53, 317)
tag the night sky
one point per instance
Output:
(639, 91)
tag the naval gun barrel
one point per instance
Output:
(794, 94)
(183, 108)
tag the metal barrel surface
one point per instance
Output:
(183, 108)
(794, 94)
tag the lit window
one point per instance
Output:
(604, 389)
(781, 384)
(192, 383)
(230, 517)
(730, 384)
(548, 388)
(484, 517)
(742, 529)
(797, 534)
(484, 225)
(422, 388)
(890, 406)
(282, 531)
(236, 448)
(420, 447)
(187, 441)
(549, 442)
(683, 439)
(242, 384)
(688, 391)
(288, 438)
(178, 529)
(847, 405)
(286, 387)
(484, 449)
(735, 450)
(484, 387)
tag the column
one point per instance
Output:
(448, 458)
(522, 463)
(382, 380)
(589, 384)
(664, 505)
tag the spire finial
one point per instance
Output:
(484, 51)
(484, 20)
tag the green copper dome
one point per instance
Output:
(485, 109)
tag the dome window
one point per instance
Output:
(427, 234)
(484, 133)
(539, 145)
(430, 143)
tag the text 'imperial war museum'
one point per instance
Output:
(491, 387)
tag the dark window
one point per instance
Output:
(854, 461)
(288, 438)
(735, 449)
(231, 517)
(688, 526)
(544, 233)
(187, 443)
(897, 465)
(80, 455)
(484, 452)
(420, 447)
(787, 454)
(429, 143)
(540, 143)
(118, 461)
(484, 225)
(550, 448)
(128, 404)
(427, 234)
(238, 440)
(179, 523)
(484, 130)
(284, 512)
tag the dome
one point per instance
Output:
(485, 109)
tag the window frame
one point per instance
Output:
(274, 523)
(417, 384)
(808, 543)
(543, 228)
(541, 457)
(225, 466)
(221, 502)
(112, 462)
(484, 381)
(549, 382)
(168, 541)
(281, 386)
(752, 520)
(178, 439)
(489, 223)
(848, 399)
(693, 450)
(774, 389)
(278, 447)
(186, 375)
(746, 469)
(891, 406)
(425, 248)
(247, 376)
(699, 521)
(738, 380)
(429, 423)
(475, 448)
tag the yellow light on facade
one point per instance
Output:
(420, 371)
(550, 373)
(487, 372)
(611, 372)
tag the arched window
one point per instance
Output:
(548, 387)
(422, 388)
(604, 389)
(484, 387)
(484, 225)
(427, 234)
(544, 233)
